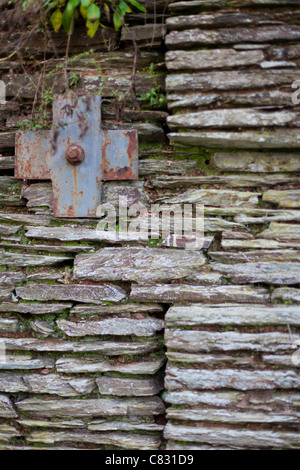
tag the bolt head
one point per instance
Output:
(75, 154)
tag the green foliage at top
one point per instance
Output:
(62, 13)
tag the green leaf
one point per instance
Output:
(92, 27)
(56, 20)
(83, 12)
(85, 3)
(67, 17)
(117, 21)
(137, 5)
(123, 8)
(74, 3)
(93, 13)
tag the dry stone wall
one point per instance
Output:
(81, 317)
(231, 381)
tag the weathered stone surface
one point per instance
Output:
(272, 139)
(127, 424)
(43, 328)
(289, 198)
(39, 194)
(182, 5)
(8, 432)
(238, 235)
(68, 234)
(273, 216)
(196, 37)
(78, 292)
(25, 218)
(264, 244)
(255, 256)
(129, 387)
(111, 348)
(228, 181)
(49, 248)
(214, 197)
(6, 293)
(284, 360)
(111, 326)
(26, 362)
(132, 190)
(236, 438)
(230, 80)
(219, 19)
(7, 163)
(205, 278)
(137, 264)
(145, 406)
(255, 162)
(63, 424)
(93, 364)
(178, 378)
(230, 314)
(145, 35)
(234, 417)
(9, 229)
(152, 166)
(23, 259)
(118, 439)
(211, 359)
(211, 59)
(190, 293)
(228, 118)
(8, 325)
(172, 445)
(116, 309)
(9, 278)
(217, 360)
(194, 341)
(33, 308)
(53, 384)
(282, 232)
(6, 408)
(191, 100)
(286, 294)
(252, 400)
(285, 273)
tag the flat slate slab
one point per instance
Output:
(232, 314)
(93, 364)
(52, 384)
(170, 293)
(110, 348)
(234, 438)
(111, 326)
(285, 273)
(129, 386)
(76, 408)
(76, 292)
(237, 379)
(137, 264)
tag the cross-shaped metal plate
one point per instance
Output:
(77, 155)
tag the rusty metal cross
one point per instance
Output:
(77, 155)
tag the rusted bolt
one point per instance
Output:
(75, 154)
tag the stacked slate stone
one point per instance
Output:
(232, 379)
(82, 315)
(81, 366)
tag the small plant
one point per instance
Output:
(154, 97)
(62, 13)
